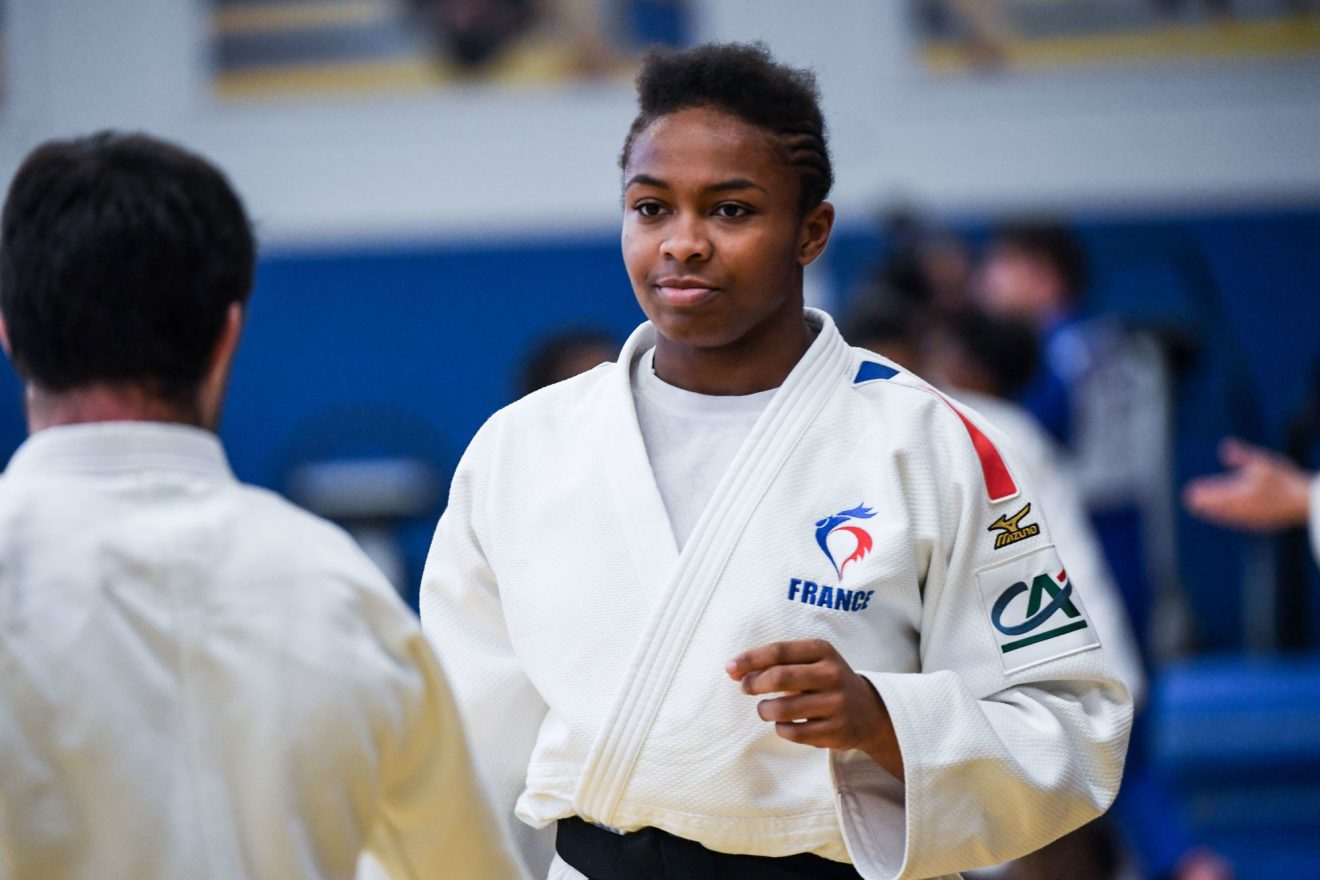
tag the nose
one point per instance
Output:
(687, 241)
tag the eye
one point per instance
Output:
(731, 210)
(649, 209)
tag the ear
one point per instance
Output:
(227, 344)
(4, 339)
(214, 384)
(815, 233)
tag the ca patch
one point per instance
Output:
(1034, 610)
(1012, 529)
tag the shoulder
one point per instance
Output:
(902, 400)
(325, 578)
(313, 555)
(1021, 429)
(548, 418)
(926, 423)
(553, 399)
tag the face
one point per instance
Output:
(1015, 283)
(713, 238)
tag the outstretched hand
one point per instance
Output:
(824, 703)
(1260, 491)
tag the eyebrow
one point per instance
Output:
(723, 186)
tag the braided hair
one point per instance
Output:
(744, 81)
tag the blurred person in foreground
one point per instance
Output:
(197, 679)
(1261, 491)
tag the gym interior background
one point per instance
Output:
(430, 204)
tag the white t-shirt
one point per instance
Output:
(690, 438)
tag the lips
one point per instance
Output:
(685, 292)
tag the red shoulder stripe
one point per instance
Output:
(999, 483)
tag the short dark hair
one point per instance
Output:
(882, 314)
(1054, 242)
(744, 81)
(549, 360)
(1006, 348)
(119, 257)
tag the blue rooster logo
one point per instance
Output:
(835, 523)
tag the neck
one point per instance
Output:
(104, 403)
(759, 361)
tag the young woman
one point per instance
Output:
(749, 602)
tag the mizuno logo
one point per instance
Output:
(1011, 530)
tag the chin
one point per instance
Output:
(693, 330)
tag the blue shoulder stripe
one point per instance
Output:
(870, 371)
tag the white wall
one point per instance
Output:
(483, 162)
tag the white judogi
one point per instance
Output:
(588, 654)
(199, 680)
(1071, 530)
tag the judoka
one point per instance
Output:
(621, 586)
(197, 679)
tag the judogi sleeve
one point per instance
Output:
(1080, 550)
(1015, 729)
(433, 820)
(464, 622)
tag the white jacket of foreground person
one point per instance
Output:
(1073, 534)
(198, 680)
(588, 654)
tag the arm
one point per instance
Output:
(434, 821)
(1080, 550)
(1003, 742)
(464, 622)
(1260, 491)
(1015, 730)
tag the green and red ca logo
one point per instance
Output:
(1034, 612)
(1038, 612)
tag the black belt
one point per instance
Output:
(652, 854)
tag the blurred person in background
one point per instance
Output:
(564, 355)
(199, 679)
(1261, 491)
(987, 361)
(1102, 389)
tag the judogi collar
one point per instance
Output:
(121, 448)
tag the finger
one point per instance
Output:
(799, 677)
(1235, 503)
(1234, 452)
(1238, 454)
(1208, 494)
(822, 733)
(801, 707)
(778, 654)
